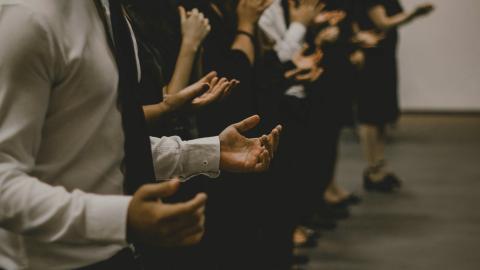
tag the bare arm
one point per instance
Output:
(248, 14)
(379, 16)
(195, 27)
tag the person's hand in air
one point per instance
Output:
(368, 39)
(307, 67)
(198, 95)
(195, 27)
(241, 154)
(424, 9)
(305, 11)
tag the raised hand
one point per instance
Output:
(357, 58)
(307, 66)
(332, 17)
(329, 34)
(368, 39)
(195, 27)
(207, 90)
(249, 12)
(152, 222)
(305, 11)
(241, 154)
(424, 9)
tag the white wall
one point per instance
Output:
(440, 58)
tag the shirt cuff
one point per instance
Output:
(106, 218)
(296, 33)
(201, 156)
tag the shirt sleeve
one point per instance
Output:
(29, 206)
(288, 42)
(173, 157)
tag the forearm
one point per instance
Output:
(244, 43)
(183, 68)
(385, 23)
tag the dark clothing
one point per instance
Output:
(378, 96)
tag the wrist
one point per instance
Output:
(246, 27)
(190, 46)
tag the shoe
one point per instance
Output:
(300, 260)
(352, 199)
(334, 211)
(320, 223)
(395, 180)
(385, 185)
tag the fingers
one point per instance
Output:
(183, 14)
(209, 77)
(265, 142)
(182, 210)
(158, 191)
(247, 124)
(274, 139)
(263, 162)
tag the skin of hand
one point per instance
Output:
(205, 91)
(368, 39)
(332, 17)
(307, 66)
(240, 154)
(357, 58)
(305, 11)
(249, 12)
(328, 35)
(423, 9)
(195, 27)
(152, 222)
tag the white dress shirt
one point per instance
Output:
(288, 39)
(61, 139)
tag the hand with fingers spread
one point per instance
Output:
(307, 66)
(305, 11)
(152, 222)
(368, 39)
(329, 34)
(423, 9)
(249, 12)
(195, 27)
(332, 17)
(207, 90)
(241, 154)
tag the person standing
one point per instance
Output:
(378, 97)
(72, 136)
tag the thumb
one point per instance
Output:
(209, 77)
(158, 191)
(183, 14)
(195, 90)
(247, 124)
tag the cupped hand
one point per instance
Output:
(241, 154)
(202, 93)
(153, 222)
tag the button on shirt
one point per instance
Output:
(61, 139)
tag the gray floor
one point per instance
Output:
(433, 222)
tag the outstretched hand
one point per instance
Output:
(207, 90)
(241, 154)
(307, 67)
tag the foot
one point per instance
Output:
(374, 183)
